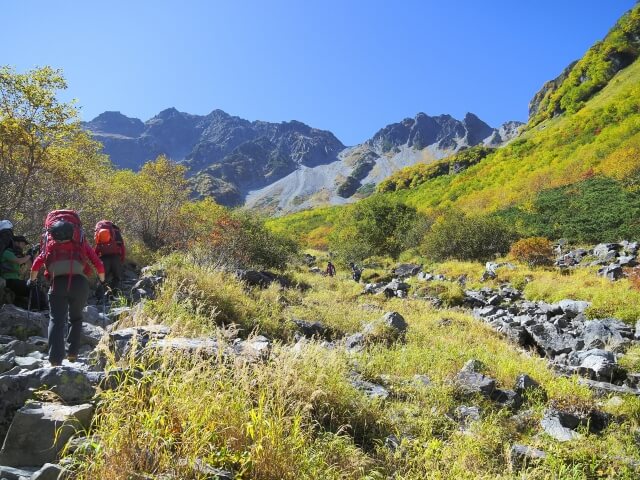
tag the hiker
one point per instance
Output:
(67, 259)
(356, 272)
(11, 259)
(331, 270)
(110, 248)
(6, 235)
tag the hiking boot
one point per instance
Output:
(72, 358)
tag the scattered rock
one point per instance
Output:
(11, 473)
(371, 390)
(254, 349)
(470, 382)
(121, 342)
(522, 456)
(560, 425)
(204, 347)
(546, 337)
(355, 342)
(262, 279)
(49, 471)
(406, 270)
(612, 272)
(390, 327)
(312, 329)
(22, 324)
(39, 431)
(524, 383)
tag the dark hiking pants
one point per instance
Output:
(112, 270)
(67, 298)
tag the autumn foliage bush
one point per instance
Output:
(535, 251)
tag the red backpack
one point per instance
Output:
(63, 257)
(108, 238)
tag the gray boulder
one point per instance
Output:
(390, 327)
(395, 288)
(39, 432)
(573, 308)
(370, 389)
(524, 383)
(11, 473)
(28, 363)
(312, 329)
(608, 332)
(121, 342)
(205, 347)
(522, 456)
(50, 471)
(612, 272)
(253, 349)
(94, 316)
(91, 334)
(470, 381)
(546, 336)
(560, 425)
(406, 270)
(22, 324)
(7, 361)
(355, 342)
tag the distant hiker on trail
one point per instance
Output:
(110, 248)
(67, 258)
(331, 270)
(356, 272)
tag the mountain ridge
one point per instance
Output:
(233, 159)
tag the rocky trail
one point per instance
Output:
(45, 409)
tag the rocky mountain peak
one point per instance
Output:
(115, 123)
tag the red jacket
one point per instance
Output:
(90, 255)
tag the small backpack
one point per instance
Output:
(108, 238)
(63, 257)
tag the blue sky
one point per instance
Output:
(348, 66)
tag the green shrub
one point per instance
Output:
(374, 226)
(463, 237)
(598, 209)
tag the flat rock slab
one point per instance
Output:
(39, 432)
(11, 473)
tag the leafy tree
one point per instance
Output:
(378, 225)
(149, 202)
(46, 160)
(464, 237)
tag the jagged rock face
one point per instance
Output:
(548, 88)
(226, 154)
(280, 166)
(398, 145)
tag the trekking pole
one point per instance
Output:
(28, 309)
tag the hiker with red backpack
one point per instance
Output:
(67, 259)
(110, 248)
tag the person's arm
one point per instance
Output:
(95, 261)
(38, 263)
(123, 252)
